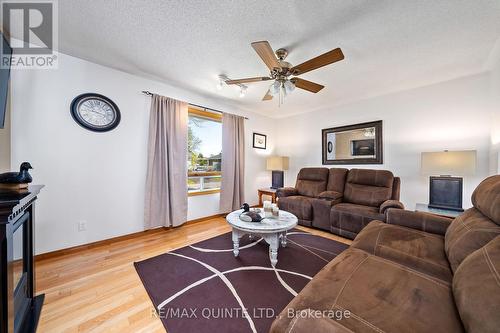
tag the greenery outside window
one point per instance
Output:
(204, 152)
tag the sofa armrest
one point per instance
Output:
(418, 220)
(310, 320)
(390, 204)
(316, 323)
(330, 195)
(286, 192)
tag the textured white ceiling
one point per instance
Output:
(389, 45)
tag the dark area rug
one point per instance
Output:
(204, 288)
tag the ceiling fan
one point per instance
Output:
(281, 70)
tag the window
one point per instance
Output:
(204, 152)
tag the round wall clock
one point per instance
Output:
(95, 112)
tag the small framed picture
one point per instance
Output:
(259, 141)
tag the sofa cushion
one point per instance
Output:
(381, 296)
(476, 287)
(486, 198)
(297, 205)
(311, 181)
(371, 177)
(348, 219)
(416, 249)
(368, 187)
(467, 233)
(336, 179)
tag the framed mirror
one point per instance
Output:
(353, 144)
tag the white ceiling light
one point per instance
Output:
(274, 89)
(243, 91)
(222, 81)
(219, 85)
(289, 86)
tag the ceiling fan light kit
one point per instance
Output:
(281, 71)
(289, 86)
(275, 88)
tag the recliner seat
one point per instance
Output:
(367, 195)
(298, 200)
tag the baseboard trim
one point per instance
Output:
(201, 219)
(77, 248)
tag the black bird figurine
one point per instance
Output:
(245, 207)
(21, 177)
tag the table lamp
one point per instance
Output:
(277, 164)
(445, 190)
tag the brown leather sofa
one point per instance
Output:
(416, 273)
(339, 200)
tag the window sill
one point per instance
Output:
(196, 193)
(204, 173)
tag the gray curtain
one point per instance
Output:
(166, 180)
(233, 163)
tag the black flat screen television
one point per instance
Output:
(4, 78)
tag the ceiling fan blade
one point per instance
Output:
(307, 85)
(266, 53)
(267, 96)
(320, 61)
(248, 80)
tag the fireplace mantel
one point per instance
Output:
(19, 308)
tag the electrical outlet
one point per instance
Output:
(82, 226)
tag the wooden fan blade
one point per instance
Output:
(267, 96)
(266, 53)
(307, 85)
(320, 61)
(248, 80)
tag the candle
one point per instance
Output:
(275, 210)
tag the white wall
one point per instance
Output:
(452, 115)
(495, 121)
(5, 142)
(99, 177)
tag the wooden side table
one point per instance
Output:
(267, 191)
(420, 207)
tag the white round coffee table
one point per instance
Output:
(271, 229)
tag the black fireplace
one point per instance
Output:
(19, 308)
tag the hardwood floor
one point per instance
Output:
(97, 289)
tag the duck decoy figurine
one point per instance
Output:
(17, 179)
(245, 207)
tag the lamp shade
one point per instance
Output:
(453, 163)
(277, 163)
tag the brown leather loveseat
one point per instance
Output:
(339, 200)
(416, 273)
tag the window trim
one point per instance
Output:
(206, 192)
(211, 116)
(205, 114)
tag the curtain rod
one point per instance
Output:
(148, 93)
